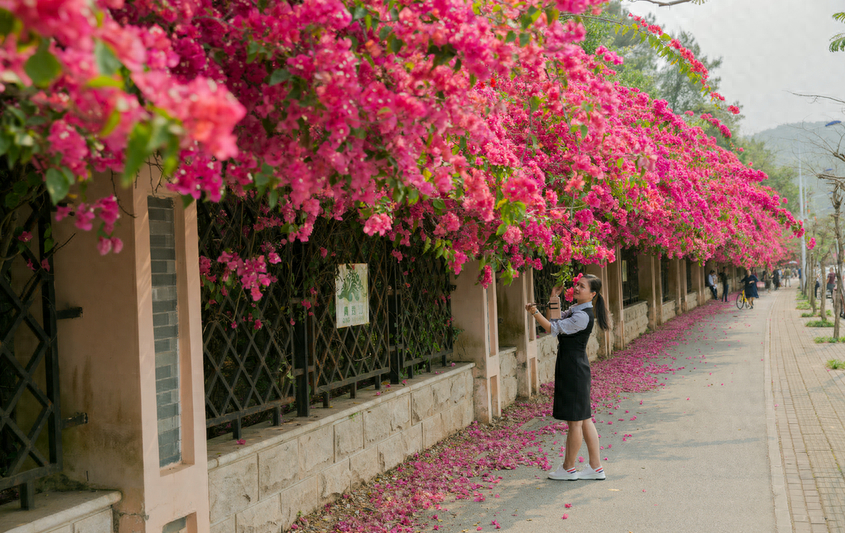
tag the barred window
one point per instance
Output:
(630, 277)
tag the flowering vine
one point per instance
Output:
(478, 130)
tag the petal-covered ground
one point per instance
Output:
(467, 465)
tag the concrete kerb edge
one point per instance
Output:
(310, 425)
(783, 519)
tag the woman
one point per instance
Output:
(831, 282)
(750, 281)
(572, 374)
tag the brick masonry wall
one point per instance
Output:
(165, 328)
(282, 471)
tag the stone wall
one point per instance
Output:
(668, 311)
(692, 300)
(281, 471)
(636, 321)
(507, 375)
(546, 354)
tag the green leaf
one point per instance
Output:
(501, 229)
(511, 37)
(42, 67)
(524, 39)
(368, 21)
(438, 204)
(187, 200)
(273, 198)
(534, 102)
(7, 22)
(136, 151)
(584, 131)
(359, 12)
(12, 200)
(57, 185)
(394, 44)
(111, 123)
(4, 144)
(552, 14)
(384, 32)
(106, 81)
(107, 62)
(278, 76)
(48, 245)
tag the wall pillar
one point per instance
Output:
(648, 267)
(138, 324)
(517, 328)
(697, 281)
(614, 300)
(474, 311)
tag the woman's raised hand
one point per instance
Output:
(557, 290)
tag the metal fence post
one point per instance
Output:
(300, 362)
(394, 315)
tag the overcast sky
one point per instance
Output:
(770, 49)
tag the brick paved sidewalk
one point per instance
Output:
(810, 416)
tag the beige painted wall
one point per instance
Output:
(107, 360)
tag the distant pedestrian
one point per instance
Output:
(816, 288)
(750, 284)
(776, 278)
(723, 277)
(572, 374)
(831, 281)
(711, 284)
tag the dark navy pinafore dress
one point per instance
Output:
(572, 375)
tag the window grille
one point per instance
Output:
(630, 277)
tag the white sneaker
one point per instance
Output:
(589, 473)
(562, 475)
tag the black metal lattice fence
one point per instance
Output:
(30, 418)
(545, 279)
(301, 354)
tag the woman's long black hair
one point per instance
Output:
(598, 302)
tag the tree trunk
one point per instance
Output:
(823, 290)
(810, 284)
(837, 203)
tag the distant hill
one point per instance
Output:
(812, 140)
(809, 138)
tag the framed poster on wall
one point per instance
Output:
(351, 295)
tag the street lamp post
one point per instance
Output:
(803, 221)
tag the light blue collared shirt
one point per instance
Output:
(572, 320)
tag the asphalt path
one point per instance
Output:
(696, 460)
